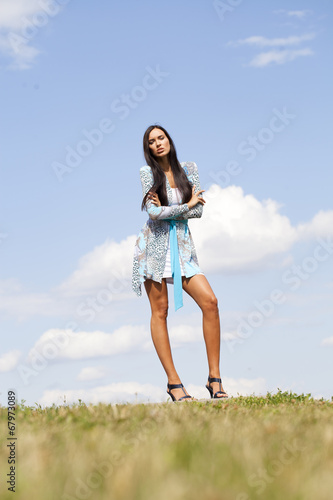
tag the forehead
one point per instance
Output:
(156, 132)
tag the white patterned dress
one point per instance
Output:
(151, 255)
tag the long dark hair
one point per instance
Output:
(179, 175)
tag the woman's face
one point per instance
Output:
(158, 142)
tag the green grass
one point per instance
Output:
(279, 446)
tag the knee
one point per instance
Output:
(210, 303)
(161, 310)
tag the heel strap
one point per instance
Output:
(175, 386)
(178, 386)
(214, 379)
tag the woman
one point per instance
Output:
(165, 253)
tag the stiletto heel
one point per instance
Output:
(212, 394)
(177, 386)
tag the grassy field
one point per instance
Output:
(276, 447)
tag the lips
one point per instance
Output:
(160, 150)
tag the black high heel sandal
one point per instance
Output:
(214, 394)
(177, 386)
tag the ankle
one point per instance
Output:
(174, 380)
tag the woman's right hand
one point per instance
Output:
(196, 198)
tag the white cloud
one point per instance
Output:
(233, 387)
(133, 392)
(14, 30)
(251, 233)
(14, 12)
(262, 41)
(66, 344)
(24, 304)
(328, 341)
(237, 233)
(109, 262)
(321, 224)
(183, 334)
(299, 14)
(248, 230)
(55, 344)
(244, 386)
(10, 286)
(278, 57)
(91, 373)
(20, 21)
(282, 55)
(9, 360)
(124, 392)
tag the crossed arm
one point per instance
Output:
(176, 212)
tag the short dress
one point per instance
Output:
(166, 229)
(176, 200)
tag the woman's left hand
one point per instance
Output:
(154, 198)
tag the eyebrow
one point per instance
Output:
(161, 135)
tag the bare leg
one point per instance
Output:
(200, 290)
(158, 298)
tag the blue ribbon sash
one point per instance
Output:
(175, 265)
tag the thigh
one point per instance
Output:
(157, 294)
(199, 289)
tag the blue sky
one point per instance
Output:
(244, 89)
